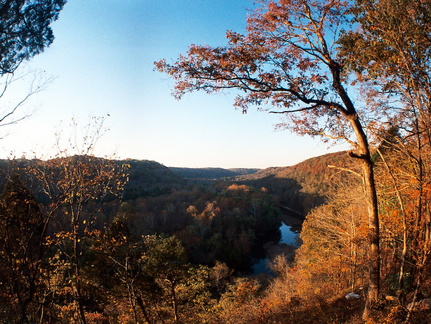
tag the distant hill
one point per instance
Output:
(305, 185)
(210, 173)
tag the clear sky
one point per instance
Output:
(102, 64)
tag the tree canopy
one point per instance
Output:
(25, 30)
(287, 62)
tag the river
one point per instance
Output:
(289, 237)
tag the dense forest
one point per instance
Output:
(132, 241)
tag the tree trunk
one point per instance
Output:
(76, 264)
(373, 214)
(374, 237)
(174, 300)
(364, 155)
(143, 309)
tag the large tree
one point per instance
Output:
(288, 61)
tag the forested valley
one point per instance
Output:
(127, 241)
(132, 241)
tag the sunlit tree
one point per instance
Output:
(72, 185)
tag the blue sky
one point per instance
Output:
(102, 64)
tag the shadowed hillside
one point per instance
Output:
(149, 178)
(305, 185)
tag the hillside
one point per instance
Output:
(305, 185)
(149, 178)
(300, 187)
(145, 178)
(314, 174)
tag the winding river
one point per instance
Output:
(289, 236)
